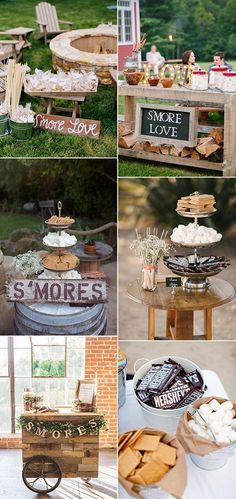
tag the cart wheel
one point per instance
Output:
(41, 474)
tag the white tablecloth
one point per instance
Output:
(219, 484)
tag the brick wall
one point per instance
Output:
(101, 357)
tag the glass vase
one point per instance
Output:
(149, 277)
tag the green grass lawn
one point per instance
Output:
(140, 168)
(10, 222)
(84, 14)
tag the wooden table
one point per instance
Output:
(180, 307)
(92, 262)
(20, 34)
(224, 101)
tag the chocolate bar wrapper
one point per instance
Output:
(148, 377)
(163, 378)
(172, 397)
(195, 378)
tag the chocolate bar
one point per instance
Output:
(143, 396)
(172, 397)
(190, 398)
(148, 377)
(164, 377)
(195, 379)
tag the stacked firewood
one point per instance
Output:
(209, 147)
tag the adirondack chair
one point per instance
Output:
(10, 49)
(49, 24)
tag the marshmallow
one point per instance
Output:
(215, 422)
(232, 436)
(214, 404)
(194, 234)
(205, 409)
(233, 424)
(59, 239)
(226, 406)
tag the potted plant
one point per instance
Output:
(90, 246)
(167, 80)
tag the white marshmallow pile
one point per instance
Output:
(219, 419)
(73, 81)
(194, 234)
(59, 240)
(3, 108)
(69, 274)
(23, 114)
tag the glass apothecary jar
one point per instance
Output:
(199, 80)
(216, 74)
(229, 81)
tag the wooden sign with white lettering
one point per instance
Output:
(57, 290)
(167, 124)
(68, 126)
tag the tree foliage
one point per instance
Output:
(86, 188)
(204, 26)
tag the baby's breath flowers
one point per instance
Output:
(28, 263)
(150, 249)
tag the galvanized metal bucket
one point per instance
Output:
(166, 419)
(122, 361)
(214, 460)
(53, 318)
(4, 125)
(21, 131)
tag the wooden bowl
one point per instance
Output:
(153, 81)
(167, 82)
(133, 77)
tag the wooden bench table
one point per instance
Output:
(181, 305)
(223, 101)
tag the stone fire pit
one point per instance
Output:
(88, 49)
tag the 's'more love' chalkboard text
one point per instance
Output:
(167, 125)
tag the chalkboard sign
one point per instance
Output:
(173, 281)
(167, 125)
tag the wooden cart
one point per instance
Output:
(224, 101)
(46, 459)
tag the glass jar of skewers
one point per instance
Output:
(150, 249)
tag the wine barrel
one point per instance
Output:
(59, 318)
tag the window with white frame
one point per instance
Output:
(125, 24)
(51, 366)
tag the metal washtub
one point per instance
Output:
(59, 319)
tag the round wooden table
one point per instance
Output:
(180, 306)
(91, 263)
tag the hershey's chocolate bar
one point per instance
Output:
(195, 379)
(142, 395)
(190, 398)
(164, 378)
(171, 398)
(148, 377)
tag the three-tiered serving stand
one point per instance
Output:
(196, 280)
(58, 250)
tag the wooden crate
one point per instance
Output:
(77, 456)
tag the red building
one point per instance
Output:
(128, 28)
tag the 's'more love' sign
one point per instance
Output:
(68, 126)
(167, 125)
